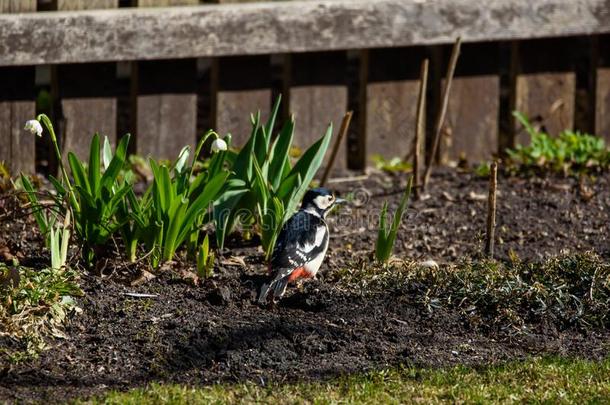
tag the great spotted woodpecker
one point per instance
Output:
(301, 245)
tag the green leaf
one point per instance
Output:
(116, 164)
(201, 204)
(176, 219)
(78, 172)
(271, 121)
(279, 154)
(94, 164)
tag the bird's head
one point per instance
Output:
(320, 201)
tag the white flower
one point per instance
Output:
(34, 127)
(218, 145)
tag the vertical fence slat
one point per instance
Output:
(391, 101)
(87, 93)
(17, 6)
(602, 89)
(66, 5)
(166, 3)
(241, 86)
(545, 85)
(165, 100)
(471, 126)
(166, 107)
(17, 105)
(318, 95)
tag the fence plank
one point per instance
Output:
(602, 89)
(602, 110)
(282, 27)
(17, 6)
(318, 95)
(166, 3)
(88, 104)
(87, 93)
(241, 86)
(166, 101)
(166, 107)
(391, 101)
(17, 105)
(545, 85)
(71, 5)
(471, 126)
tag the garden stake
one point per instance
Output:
(491, 210)
(419, 126)
(440, 119)
(333, 155)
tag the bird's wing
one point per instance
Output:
(300, 239)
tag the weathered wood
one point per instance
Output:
(602, 89)
(318, 96)
(282, 27)
(471, 126)
(17, 6)
(87, 94)
(602, 110)
(545, 86)
(391, 101)
(88, 104)
(241, 86)
(67, 5)
(166, 3)
(166, 107)
(17, 105)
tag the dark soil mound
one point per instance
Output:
(214, 332)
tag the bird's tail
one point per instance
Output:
(277, 285)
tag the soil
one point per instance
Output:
(213, 332)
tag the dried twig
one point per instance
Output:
(440, 118)
(491, 210)
(139, 295)
(342, 131)
(420, 126)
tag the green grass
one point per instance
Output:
(534, 381)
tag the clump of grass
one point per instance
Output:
(386, 234)
(566, 291)
(34, 304)
(570, 152)
(394, 164)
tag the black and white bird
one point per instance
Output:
(301, 245)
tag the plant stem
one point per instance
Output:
(333, 155)
(420, 126)
(440, 119)
(491, 210)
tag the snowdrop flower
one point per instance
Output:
(218, 145)
(34, 127)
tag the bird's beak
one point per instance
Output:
(340, 201)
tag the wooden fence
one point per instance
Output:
(167, 74)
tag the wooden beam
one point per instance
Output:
(67, 5)
(471, 127)
(17, 105)
(87, 93)
(317, 97)
(166, 107)
(17, 6)
(282, 27)
(392, 89)
(241, 86)
(545, 85)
